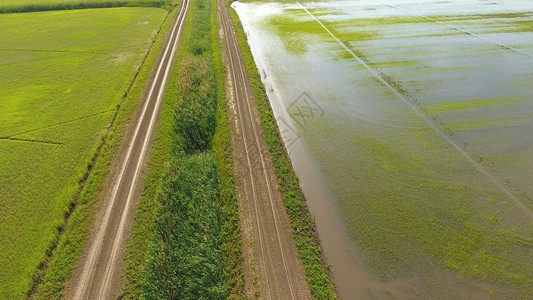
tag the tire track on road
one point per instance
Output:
(281, 274)
(99, 272)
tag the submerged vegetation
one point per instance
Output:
(414, 206)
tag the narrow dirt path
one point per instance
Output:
(97, 275)
(272, 267)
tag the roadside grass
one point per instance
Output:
(306, 238)
(55, 120)
(21, 6)
(193, 180)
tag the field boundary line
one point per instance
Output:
(60, 123)
(31, 141)
(461, 151)
(27, 61)
(56, 51)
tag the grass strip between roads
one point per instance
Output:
(306, 238)
(49, 282)
(186, 239)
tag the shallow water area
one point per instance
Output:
(410, 125)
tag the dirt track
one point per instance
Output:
(97, 275)
(272, 267)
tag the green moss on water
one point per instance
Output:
(493, 23)
(363, 22)
(514, 26)
(289, 23)
(296, 27)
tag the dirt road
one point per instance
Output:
(272, 267)
(98, 273)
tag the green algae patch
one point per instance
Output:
(366, 21)
(296, 29)
(483, 16)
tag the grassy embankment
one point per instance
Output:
(23, 6)
(186, 239)
(303, 229)
(60, 130)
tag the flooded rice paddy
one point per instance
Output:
(410, 125)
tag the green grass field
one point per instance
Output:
(63, 2)
(62, 75)
(28, 2)
(15, 6)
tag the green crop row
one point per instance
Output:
(306, 238)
